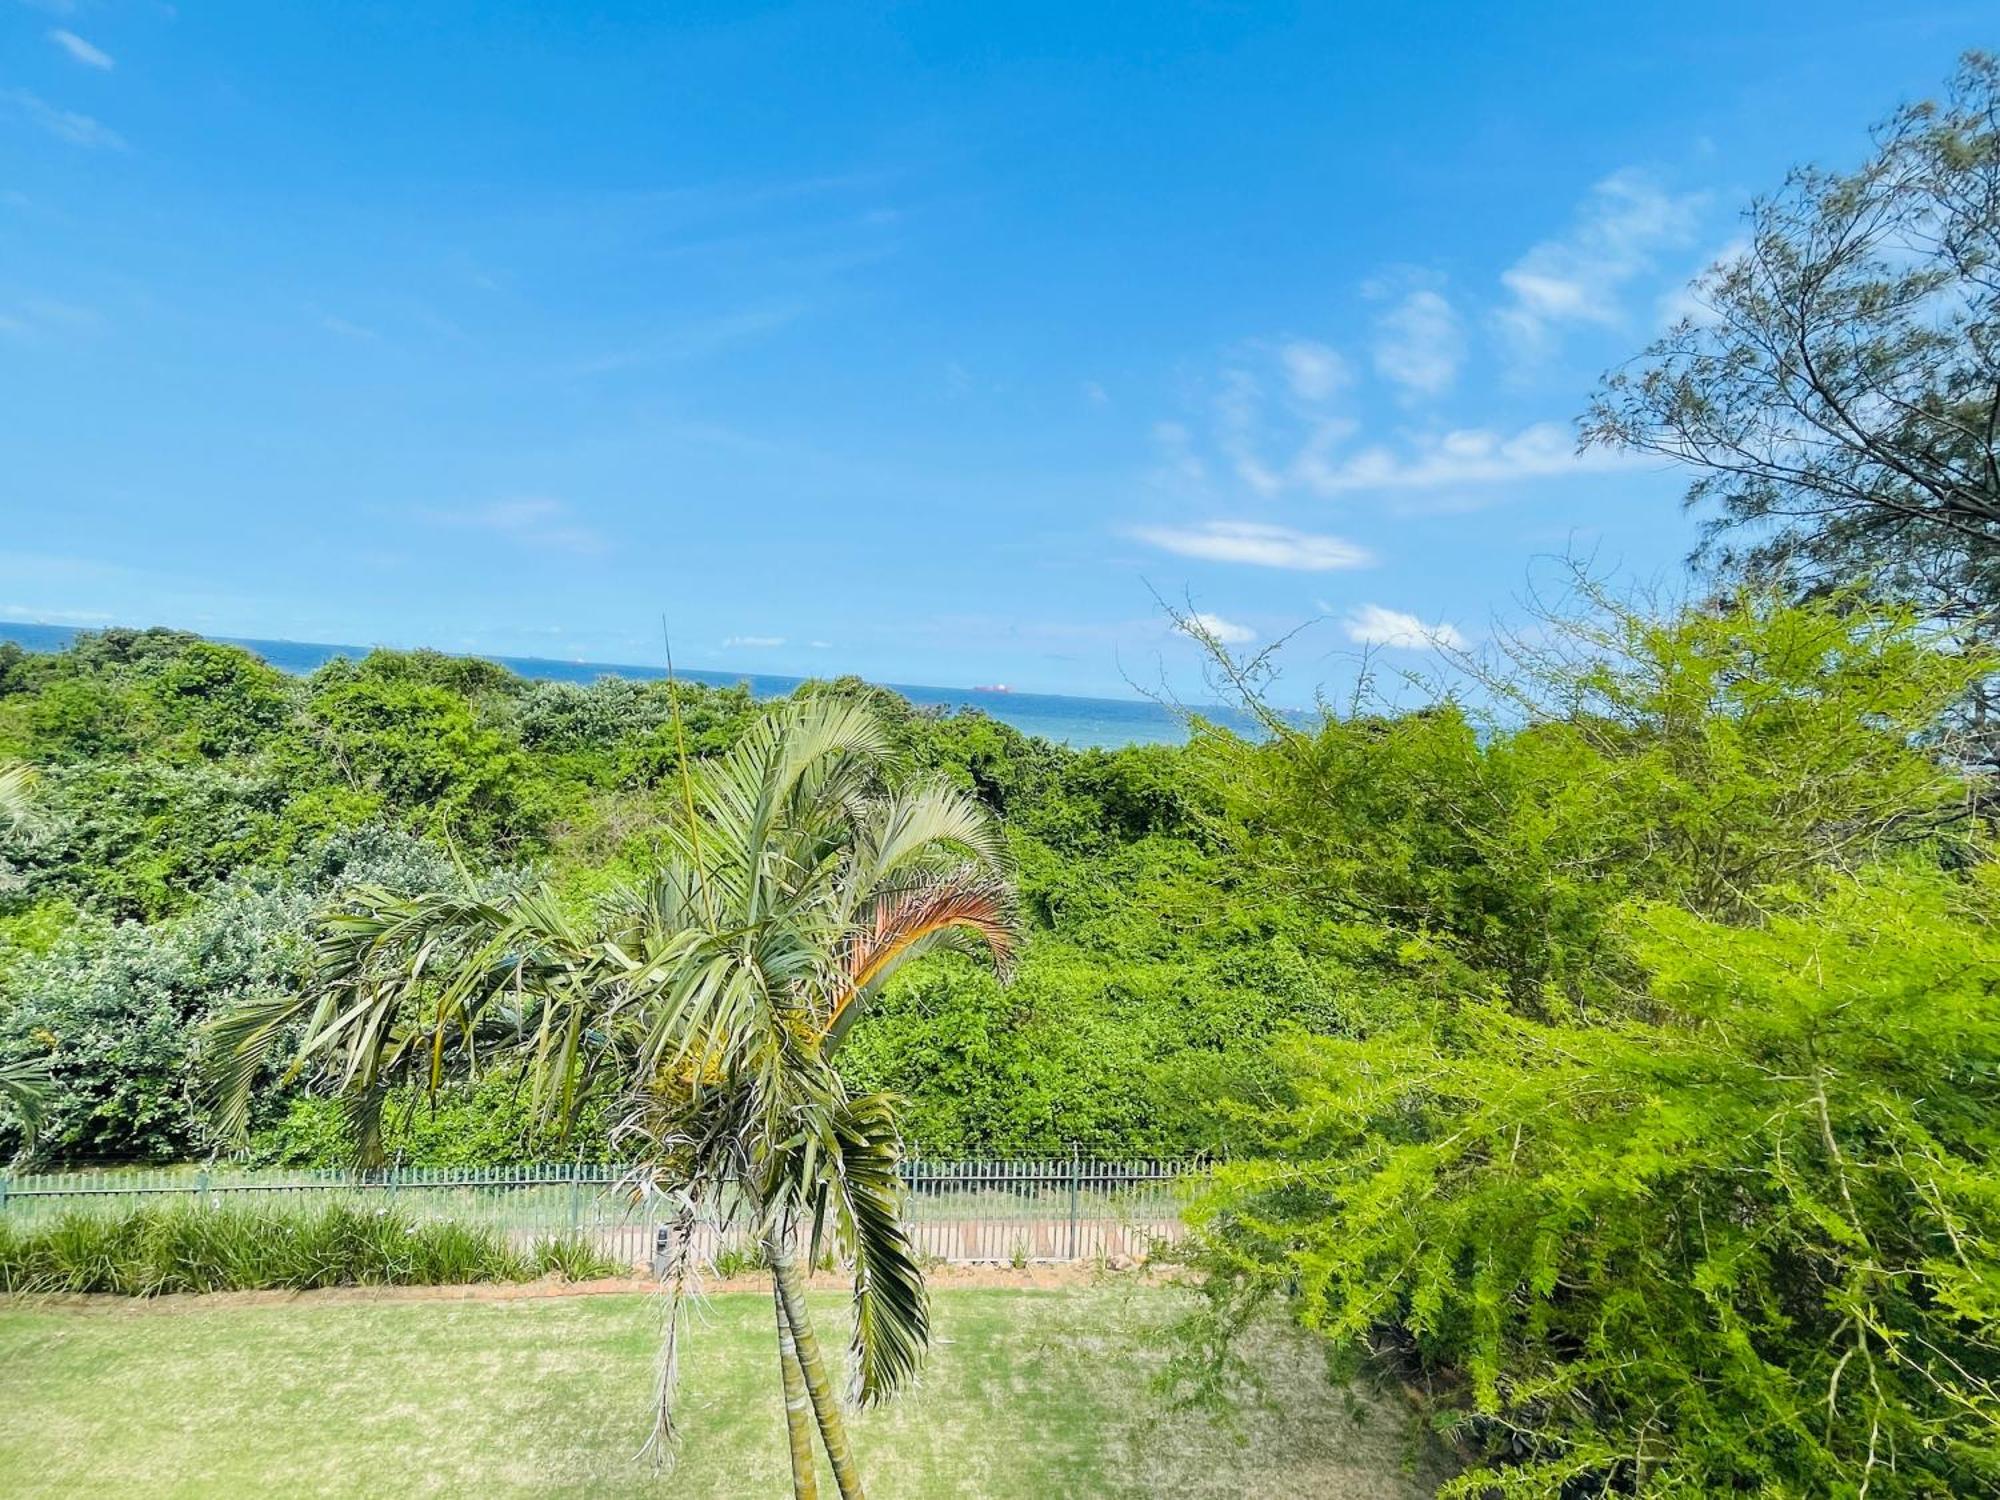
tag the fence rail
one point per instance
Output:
(964, 1211)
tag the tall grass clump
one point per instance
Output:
(151, 1251)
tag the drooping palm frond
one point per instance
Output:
(953, 907)
(891, 1302)
(17, 794)
(237, 1047)
(24, 1091)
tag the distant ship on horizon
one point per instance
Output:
(991, 687)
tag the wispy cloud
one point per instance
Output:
(82, 51)
(1419, 343)
(1313, 371)
(1202, 624)
(1263, 442)
(1179, 463)
(697, 340)
(1265, 392)
(1468, 456)
(344, 329)
(1259, 545)
(40, 616)
(64, 124)
(1375, 625)
(1579, 278)
(534, 522)
(44, 319)
(755, 642)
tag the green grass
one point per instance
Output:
(1027, 1394)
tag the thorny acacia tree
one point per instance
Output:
(709, 1001)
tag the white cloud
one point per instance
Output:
(1373, 625)
(1177, 456)
(82, 51)
(1259, 545)
(1313, 371)
(533, 521)
(1096, 394)
(1580, 277)
(1224, 632)
(820, 645)
(1419, 344)
(39, 616)
(1476, 455)
(43, 319)
(64, 124)
(760, 642)
(1239, 430)
(345, 329)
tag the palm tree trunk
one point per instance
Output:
(798, 1406)
(826, 1405)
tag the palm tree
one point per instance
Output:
(799, 873)
(23, 1085)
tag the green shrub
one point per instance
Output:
(151, 1251)
(735, 1260)
(572, 1257)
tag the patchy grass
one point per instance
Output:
(1027, 1394)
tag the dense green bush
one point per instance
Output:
(1749, 1245)
(197, 807)
(112, 1009)
(1675, 1171)
(191, 1248)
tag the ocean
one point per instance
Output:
(1106, 723)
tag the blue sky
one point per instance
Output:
(923, 341)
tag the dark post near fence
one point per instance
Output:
(1075, 1167)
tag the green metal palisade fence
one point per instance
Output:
(966, 1211)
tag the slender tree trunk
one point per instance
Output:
(798, 1405)
(826, 1405)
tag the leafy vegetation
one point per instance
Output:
(197, 1248)
(1607, 1045)
(178, 858)
(1664, 1160)
(706, 1001)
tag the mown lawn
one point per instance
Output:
(1028, 1394)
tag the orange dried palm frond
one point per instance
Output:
(974, 904)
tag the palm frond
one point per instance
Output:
(234, 1050)
(966, 904)
(17, 794)
(891, 1302)
(926, 826)
(24, 1089)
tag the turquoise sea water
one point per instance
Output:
(1105, 722)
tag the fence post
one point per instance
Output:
(576, 1200)
(1073, 1166)
(201, 1187)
